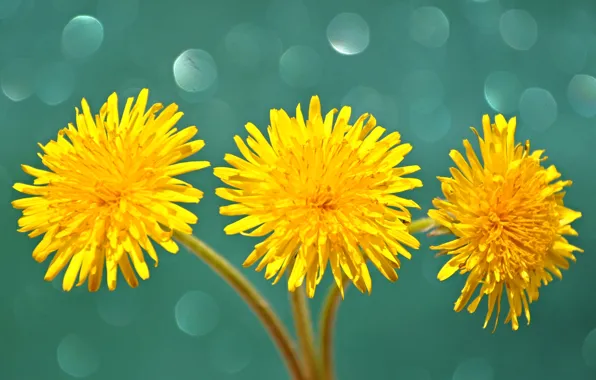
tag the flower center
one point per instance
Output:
(518, 224)
(322, 200)
(110, 194)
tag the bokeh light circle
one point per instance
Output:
(195, 70)
(581, 93)
(55, 83)
(17, 79)
(518, 29)
(502, 90)
(538, 108)
(196, 313)
(82, 37)
(429, 27)
(348, 33)
(301, 67)
(77, 357)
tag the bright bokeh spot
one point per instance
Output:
(82, 37)
(348, 33)
(195, 70)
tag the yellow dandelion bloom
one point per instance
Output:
(508, 218)
(323, 192)
(109, 191)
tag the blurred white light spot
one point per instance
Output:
(55, 83)
(502, 90)
(301, 67)
(518, 29)
(431, 126)
(424, 90)
(231, 352)
(474, 369)
(195, 70)
(76, 357)
(196, 313)
(348, 33)
(82, 37)
(16, 79)
(589, 349)
(429, 27)
(538, 108)
(581, 93)
(118, 308)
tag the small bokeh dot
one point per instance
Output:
(77, 357)
(196, 313)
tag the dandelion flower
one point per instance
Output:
(508, 218)
(110, 190)
(323, 192)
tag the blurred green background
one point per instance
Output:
(429, 69)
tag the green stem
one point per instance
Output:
(327, 320)
(422, 225)
(253, 298)
(331, 304)
(304, 332)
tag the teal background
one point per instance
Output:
(429, 73)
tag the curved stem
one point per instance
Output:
(331, 304)
(304, 332)
(327, 320)
(246, 290)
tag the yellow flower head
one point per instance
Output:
(322, 191)
(508, 218)
(110, 188)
